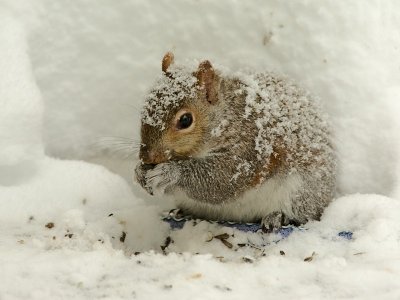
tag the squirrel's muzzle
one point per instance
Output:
(152, 157)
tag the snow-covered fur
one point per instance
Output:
(259, 147)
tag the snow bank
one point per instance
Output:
(94, 66)
(70, 203)
(48, 263)
(20, 102)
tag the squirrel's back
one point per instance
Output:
(275, 127)
(279, 140)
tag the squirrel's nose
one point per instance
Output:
(153, 157)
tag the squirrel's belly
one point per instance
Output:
(275, 194)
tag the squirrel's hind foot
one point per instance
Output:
(275, 220)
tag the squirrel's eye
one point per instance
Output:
(185, 121)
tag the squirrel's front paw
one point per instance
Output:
(162, 177)
(274, 221)
(140, 175)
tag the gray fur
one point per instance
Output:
(294, 138)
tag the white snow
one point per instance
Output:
(173, 89)
(81, 69)
(21, 108)
(220, 128)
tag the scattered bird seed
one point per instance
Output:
(223, 288)
(227, 244)
(209, 236)
(310, 258)
(122, 237)
(223, 236)
(196, 276)
(167, 286)
(49, 225)
(247, 259)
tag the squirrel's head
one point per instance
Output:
(174, 119)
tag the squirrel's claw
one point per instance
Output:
(160, 178)
(140, 177)
(274, 221)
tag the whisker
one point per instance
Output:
(132, 106)
(122, 147)
(116, 140)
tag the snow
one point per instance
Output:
(82, 69)
(84, 267)
(299, 123)
(21, 109)
(173, 89)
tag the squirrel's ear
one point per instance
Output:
(167, 60)
(206, 80)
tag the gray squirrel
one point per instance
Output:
(236, 147)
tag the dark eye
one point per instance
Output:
(185, 121)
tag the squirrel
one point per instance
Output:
(245, 147)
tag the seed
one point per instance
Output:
(223, 236)
(310, 258)
(49, 225)
(248, 259)
(122, 237)
(227, 244)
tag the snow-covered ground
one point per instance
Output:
(74, 226)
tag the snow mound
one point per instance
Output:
(20, 100)
(94, 66)
(78, 259)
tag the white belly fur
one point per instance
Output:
(275, 194)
